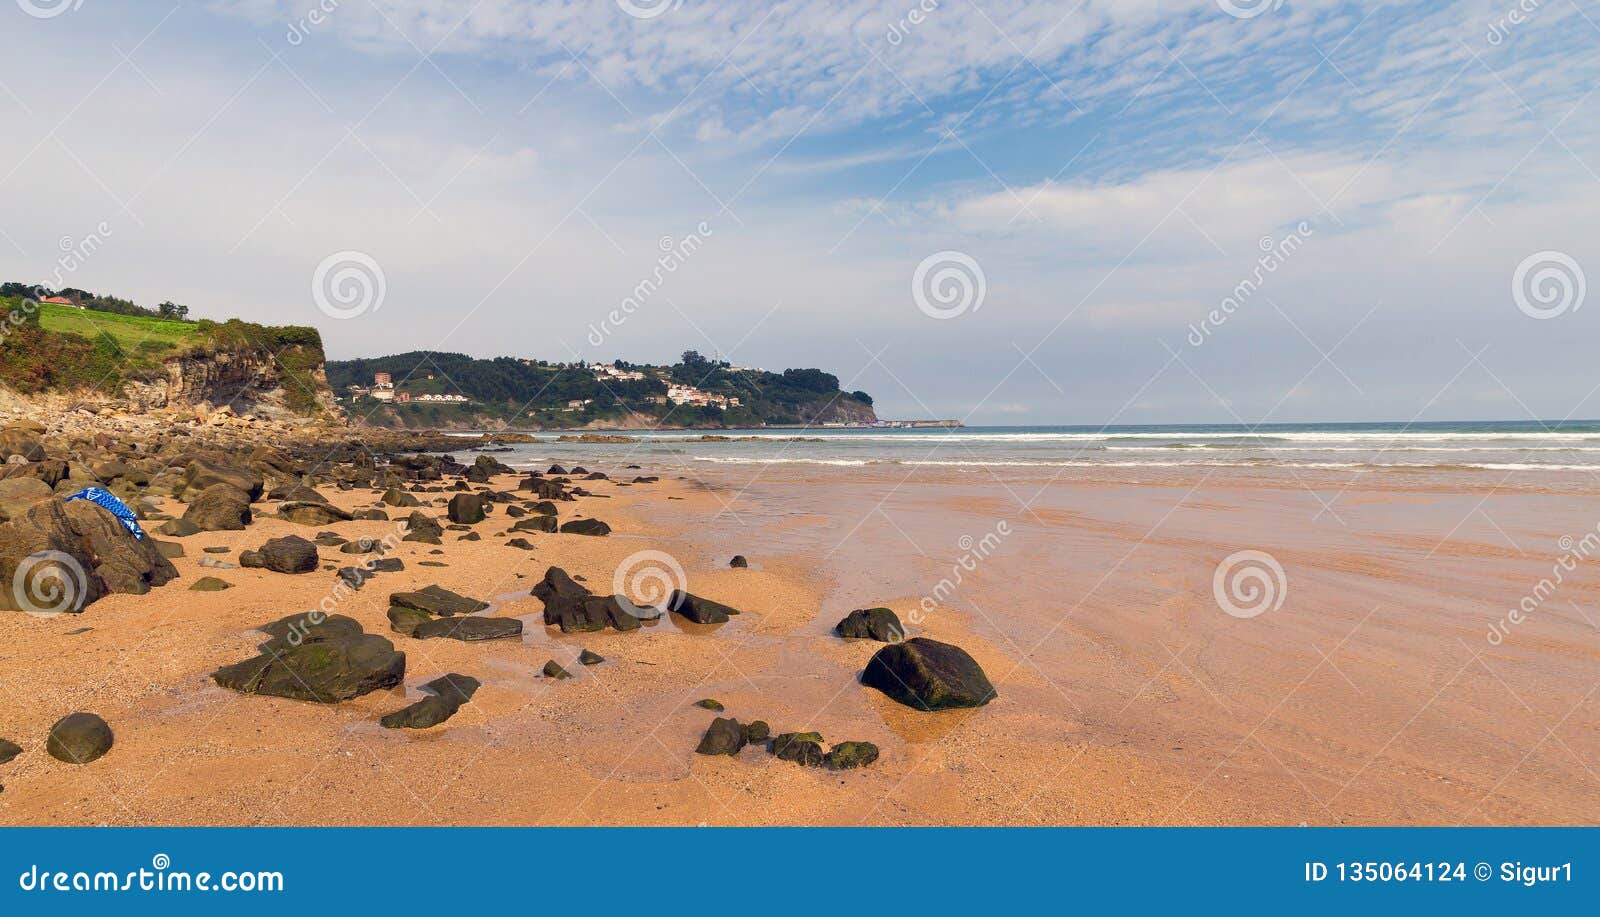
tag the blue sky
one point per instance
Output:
(1115, 171)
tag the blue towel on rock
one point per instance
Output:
(111, 504)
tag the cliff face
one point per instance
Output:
(282, 386)
(843, 410)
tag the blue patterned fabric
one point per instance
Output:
(112, 505)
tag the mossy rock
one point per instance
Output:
(79, 738)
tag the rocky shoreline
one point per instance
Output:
(187, 478)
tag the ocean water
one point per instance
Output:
(1490, 446)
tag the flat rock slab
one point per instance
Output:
(307, 512)
(436, 600)
(468, 629)
(324, 661)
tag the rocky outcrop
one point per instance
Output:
(246, 381)
(60, 557)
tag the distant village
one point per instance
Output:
(383, 389)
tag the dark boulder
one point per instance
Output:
(697, 609)
(878, 624)
(210, 584)
(535, 524)
(553, 669)
(202, 474)
(424, 528)
(289, 554)
(8, 750)
(738, 562)
(723, 737)
(219, 508)
(586, 527)
(590, 657)
(757, 732)
(466, 509)
(710, 704)
(928, 675)
(79, 738)
(570, 606)
(60, 557)
(394, 496)
(450, 693)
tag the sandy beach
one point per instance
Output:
(1371, 695)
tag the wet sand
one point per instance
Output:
(1372, 695)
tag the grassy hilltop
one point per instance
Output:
(47, 347)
